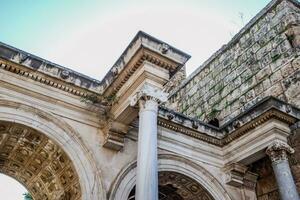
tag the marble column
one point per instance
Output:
(278, 152)
(148, 99)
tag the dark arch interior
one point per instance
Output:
(176, 186)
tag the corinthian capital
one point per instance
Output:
(149, 92)
(278, 151)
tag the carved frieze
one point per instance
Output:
(173, 184)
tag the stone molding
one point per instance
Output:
(114, 135)
(265, 110)
(263, 118)
(66, 137)
(125, 180)
(271, 114)
(44, 79)
(237, 175)
(142, 48)
(278, 151)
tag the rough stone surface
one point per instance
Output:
(262, 61)
(232, 90)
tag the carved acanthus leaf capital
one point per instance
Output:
(279, 150)
(148, 92)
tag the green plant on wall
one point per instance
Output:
(213, 114)
(275, 57)
(99, 99)
(27, 196)
(92, 98)
(112, 99)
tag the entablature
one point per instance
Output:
(267, 109)
(142, 48)
(36, 68)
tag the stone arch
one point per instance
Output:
(125, 181)
(65, 137)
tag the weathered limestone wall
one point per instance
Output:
(69, 109)
(260, 61)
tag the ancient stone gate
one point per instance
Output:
(146, 131)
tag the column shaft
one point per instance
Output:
(285, 181)
(147, 175)
(278, 152)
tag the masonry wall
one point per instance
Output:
(262, 60)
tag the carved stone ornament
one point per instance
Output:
(238, 175)
(38, 163)
(114, 135)
(278, 151)
(148, 92)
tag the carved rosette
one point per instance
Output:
(147, 93)
(278, 151)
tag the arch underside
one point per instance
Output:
(176, 186)
(37, 162)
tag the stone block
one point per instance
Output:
(265, 72)
(286, 70)
(244, 87)
(255, 47)
(258, 89)
(250, 95)
(274, 90)
(296, 64)
(246, 74)
(251, 82)
(266, 60)
(276, 77)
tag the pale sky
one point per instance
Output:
(89, 36)
(10, 188)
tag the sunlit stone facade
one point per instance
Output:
(229, 131)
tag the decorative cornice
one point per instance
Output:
(142, 48)
(117, 77)
(265, 110)
(264, 117)
(42, 78)
(45, 67)
(188, 131)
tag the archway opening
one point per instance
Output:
(11, 189)
(37, 162)
(176, 186)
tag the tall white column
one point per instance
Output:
(148, 99)
(277, 152)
